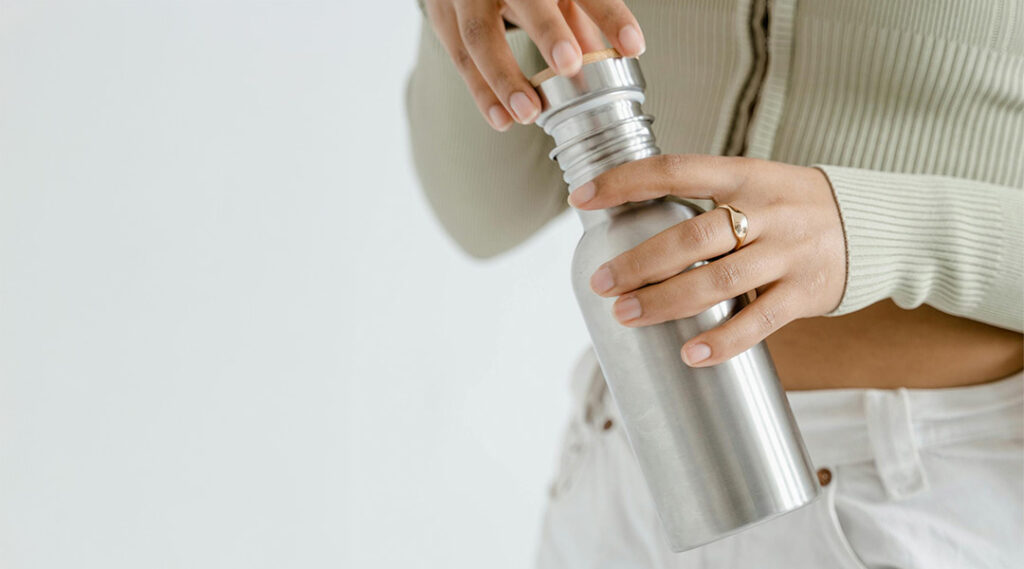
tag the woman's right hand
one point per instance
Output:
(473, 33)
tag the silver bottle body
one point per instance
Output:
(718, 446)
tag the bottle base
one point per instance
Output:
(680, 546)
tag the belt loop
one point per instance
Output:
(891, 432)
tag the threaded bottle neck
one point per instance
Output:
(596, 119)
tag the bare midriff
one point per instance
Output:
(885, 346)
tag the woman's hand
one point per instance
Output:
(473, 33)
(794, 255)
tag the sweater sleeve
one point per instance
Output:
(953, 243)
(489, 190)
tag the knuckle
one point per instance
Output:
(766, 318)
(614, 12)
(818, 279)
(547, 29)
(462, 59)
(474, 30)
(725, 276)
(777, 201)
(502, 79)
(797, 223)
(749, 165)
(745, 169)
(671, 165)
(696, 235)
(745, 162)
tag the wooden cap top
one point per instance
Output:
(591, 57)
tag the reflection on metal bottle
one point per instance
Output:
(718, 446)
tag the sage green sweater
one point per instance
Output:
(914, 109)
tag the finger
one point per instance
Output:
(753, 323)
(586, 31)
(508, 13)
(492, 109)
(696, 290)
(697, 176)
(546, 26)
(483, 33)
(670, 252)
(618, 24)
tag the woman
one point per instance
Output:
(877, 149)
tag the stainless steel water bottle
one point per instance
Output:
(718, 446)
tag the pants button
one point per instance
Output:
(824, 476)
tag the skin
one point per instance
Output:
(473, 33)
(794, 259)
(794, 254)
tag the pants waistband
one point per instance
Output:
(887, 426)
(890, 426)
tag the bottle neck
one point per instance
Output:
(598, 133)
(618, 133)
(597, 123)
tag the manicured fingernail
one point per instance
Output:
(696, 353)
(631, 40)
(523, 107)
(582, 194)
(627, 309)
(567, 59)
(602, 280)
(499, 117)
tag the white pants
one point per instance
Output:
(912, 479)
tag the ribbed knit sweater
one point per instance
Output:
(914, 109)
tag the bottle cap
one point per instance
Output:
(602, 72)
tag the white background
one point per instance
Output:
(231, 334)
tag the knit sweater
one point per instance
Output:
(914, 109)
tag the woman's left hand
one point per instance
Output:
(794, 255)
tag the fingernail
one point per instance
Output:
(627, 309)
(499, 117)
(696, 353)
(523, 107)
(582, 194)
(602, 280)
(631, 40)
(567, 59)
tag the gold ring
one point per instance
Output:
(738, 222)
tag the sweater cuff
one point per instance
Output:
(916, 238)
